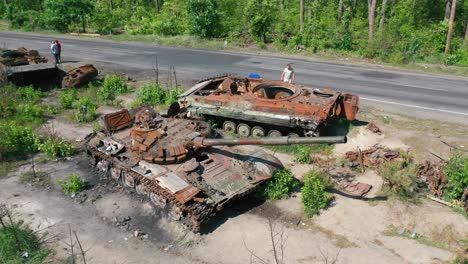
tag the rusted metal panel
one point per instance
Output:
(186, 194)
(118, 120)
(79, 76)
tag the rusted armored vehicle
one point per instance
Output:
(79, 76)
(258, 107)
(179, 164)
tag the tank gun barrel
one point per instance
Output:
(207, 142)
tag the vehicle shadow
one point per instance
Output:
(341, 127)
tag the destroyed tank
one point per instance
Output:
(258, 107)
(178, 163)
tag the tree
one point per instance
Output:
(372, 7)
(260, 16)
(204, 17)
(382, 17)
(301, 16)
(450, 30)
(60, 14)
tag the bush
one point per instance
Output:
(303, 154)
(116, 83)
(400, 176)
(67, 98)
(314, 194)
(153, 95)
(30, 113)
(91, 108)
(280, 186)
(17, 140)
(56, 147)
(72, 184)
(456, 171)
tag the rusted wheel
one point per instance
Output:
(311, 133)
(293, 135)
(141, 189)
(243, 130)
(156, 200)
(229, 126)
(274, 133)
(116, 173)
(128, 180)
(258, 131)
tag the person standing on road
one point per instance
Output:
(55, 51)
(59, 50)
(288, 75)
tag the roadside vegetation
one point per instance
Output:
(456, 171)
(153, 95)
(302, 152)
(398, 32)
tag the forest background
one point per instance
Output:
(395, 31)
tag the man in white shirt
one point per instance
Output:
(288, 75)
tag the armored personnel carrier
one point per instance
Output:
(257, 107)
(179, 165)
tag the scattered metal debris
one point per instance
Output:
(374, 128)
(371, 157)
(431, 173)
(20, 56)
(79, 76)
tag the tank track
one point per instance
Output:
(191, 215)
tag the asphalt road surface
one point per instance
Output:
(426, 95)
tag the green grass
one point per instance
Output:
(73, 184)
(302, 152)
(15, 240)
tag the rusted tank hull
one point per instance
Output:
(259, 108)
(79, 76)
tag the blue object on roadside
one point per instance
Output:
(254, 75)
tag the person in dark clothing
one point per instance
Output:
(59, 50)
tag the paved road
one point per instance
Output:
(422, 94)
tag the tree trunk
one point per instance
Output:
(309, 10)
(447, 10)
(382, 17)
(111, 6)
(301, 16)
(450, 29)
(340, 9)
(465, 40)
(372, 19)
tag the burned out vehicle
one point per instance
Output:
(79, 76)
(257, 107)
(178, 163)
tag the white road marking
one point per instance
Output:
(414, 106)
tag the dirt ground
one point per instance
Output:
(106, 216)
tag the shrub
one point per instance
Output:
(314, 194)
(67, 98)
(91, 108)
(116, 83)
(17, 140)
(30, 113)
(400, 176)
(302, 154)
(456, 171)
(153, 95)
(72, 184)
(56, 147)
(280, 186)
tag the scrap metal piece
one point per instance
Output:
(79, 76)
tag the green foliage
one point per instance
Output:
(16, 140)
(72, 184)
(55, 147)
(21, 104)
(456, 171)
(400, 176)
(303, 154)
(30, 113)
(280, 186)
(15, 239)
(117, 84)
(67, 98)
(260, 16)
(153, 95)
(314, 192)
(204, 17)
(61, 14)
(91, 108)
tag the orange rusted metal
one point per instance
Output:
(117, 120)
(270, 105)
(79, 76)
